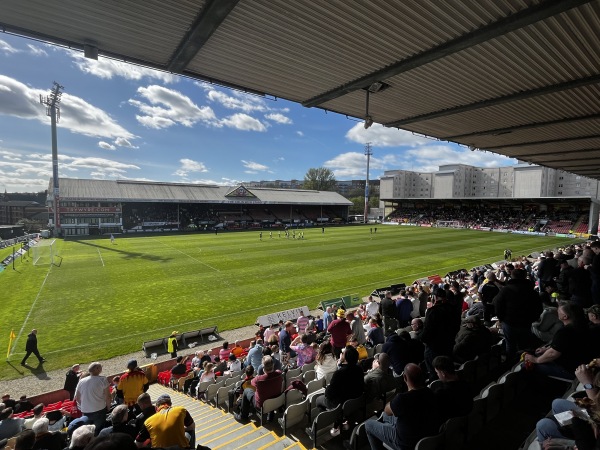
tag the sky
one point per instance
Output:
(121, 121)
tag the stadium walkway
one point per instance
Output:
(220, 431)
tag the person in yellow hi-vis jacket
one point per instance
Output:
(172, 345)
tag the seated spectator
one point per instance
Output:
(25, 440)
(358, 332)
(147, 409)
(303, 349)
(397, 350)
(234, 365)
(268, 385)
(416, 328)
(220, 366)
(276, 363)
(255, 354)
(477, 309)
(197, 359)
(224, 352)
(238, 350)
(472, 340)
(235, 395)
(179, 369)
(57, 419)
(272, 331)
(379, 380)
(346, 383)
(38, 413)
(409, 417)
(207, 375)
(454, 397)
(45, 439)
(361, 349)
(9, 426)
(548, 429)
(119, 418)
(375, 333)
(569, 347)
(416, 349)
(326, 363)
(23, 405)
(114, 441)
(81, 437)
(8, 402)
(275, 354)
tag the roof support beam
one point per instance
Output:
(523, 95)
(207, 22)
(563, 152)
(528, 126)
(549, 141)
(576, 166)
(501, 27)
(564, 161)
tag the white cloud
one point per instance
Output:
(237, 100)
(10, 156)
(243, 122)
(123, 142)
(300, 133)
(190, 166)
(37, 51)
(254, 166)
(106, 146)
(167, 107)
(5, 47)
(380, 136)
(77, 116)
(107, 68)
(279, 118)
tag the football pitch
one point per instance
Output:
(101, 299)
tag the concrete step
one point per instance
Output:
(229, 434)
(258, 438)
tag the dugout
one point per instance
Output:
(11, 231)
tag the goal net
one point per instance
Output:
(44, 252)
(449, 223)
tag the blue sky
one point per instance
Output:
(120, 121)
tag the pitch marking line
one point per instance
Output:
(100, 255)
(189, 256)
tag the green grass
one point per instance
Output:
(104, 300)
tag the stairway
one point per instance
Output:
(220, 431)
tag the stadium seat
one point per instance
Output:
(323, 422)
(477, 419)
(455, 432)
(494, 393)
(308, 366)
(431, 442)
(271, 405)
(353, 410)
(211, 391)
(293, 415)
(315, 385)
(293, 396)
(308, 376)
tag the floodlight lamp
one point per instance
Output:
(368, 122)
(90, 51)
(377, 86)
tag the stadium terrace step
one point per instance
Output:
(219, 430)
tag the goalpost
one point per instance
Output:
(449, 223)
(44, 252)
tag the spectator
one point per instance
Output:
(285, 340)
(562, 281)
(238, 350)
(580, 283)
(302, 323)
(346, 383)
(9, 426)
(132, 384)
(224, 352)
(442, 323)
(454, 397)
(326, 363)
(93, 396)
(378, 380)
(358, 332)
(220, 366)
(170, 426)
(23, 405)
(375, 334)
(25, 440)
(268, 385)
(487, 292)
(71, 380)
(340, 331)
(595, 272)
(303, 349)
(234, 365)
(409, 417)
(594, 317)
(327, 317)
(255, 354)
(472, 340)
(114, 441)
(396, 348)
(173, 344)
(416, 326)
(372, 307)
(81, 437)
(119, 419)
(547, 270)
(8, 402)
(147, 409)
(387, 309)
(517, 307)
(271, 331)
(45, 439)
(38, 413)
(404, 309)
(569, 347)
(547, 325)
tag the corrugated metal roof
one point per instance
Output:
(448, 63)
(72, 189)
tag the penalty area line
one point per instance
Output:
(100, 255)
(189, 256)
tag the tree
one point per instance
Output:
(320, 179)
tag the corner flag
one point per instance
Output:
(11, 338)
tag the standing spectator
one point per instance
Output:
(224, 352)
(93, 396)
(71, 380)
(409, 417)
(372, 307)
(517, 307)
(472, 340)
(301, 323)
(172, 344)
(255, 354)
(487, 292)
(547, 269)
(339, 330)
(454, 396)
(595, 272)
(327, 318)
(285, 340)
(404, 309)
(375, 334)
(358, 332)
(132, 384)
(441, 326)
(580, 283)
(387, 308)
(170, 426)
(31, 346)
(303, 349)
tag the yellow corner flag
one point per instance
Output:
(10, 341)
